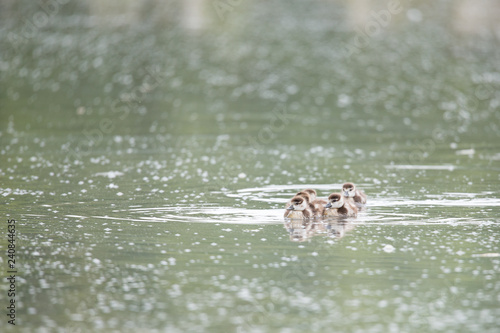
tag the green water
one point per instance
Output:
(148, 150)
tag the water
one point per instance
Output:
(148, 151)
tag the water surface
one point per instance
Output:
(147, 152)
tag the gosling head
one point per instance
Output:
(335, 200)
(298, 203)
(305, 195)
(311, 192)
(349, 190)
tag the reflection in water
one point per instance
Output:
(194, 17)
(470, 17)
(301, 231)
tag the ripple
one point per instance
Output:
(432, 209)
(448, 167)
(473, 202)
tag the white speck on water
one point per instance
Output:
(245, 294)
(487, 255)
(468, 152)
(389, 248)
(292, 89)
(97, 62)
(43, 284)
(414, 15)
(110, 174)
(76, 317)
(119, 194)
(382, 304)
(344, 100)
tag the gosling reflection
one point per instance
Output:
(300, 231)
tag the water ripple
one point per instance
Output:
(430, 209)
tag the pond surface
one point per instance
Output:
(148, 150)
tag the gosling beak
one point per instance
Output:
(346, 193)
(290, 208)
(328, 205)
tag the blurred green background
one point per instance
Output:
(136, 134)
